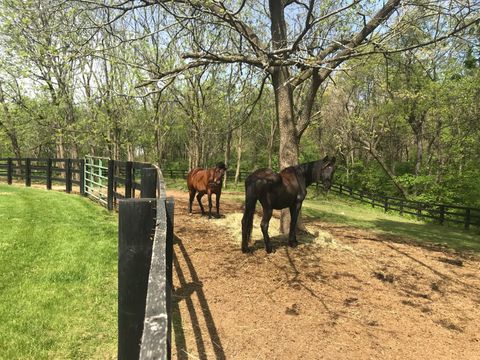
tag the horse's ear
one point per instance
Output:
(325, 159)
(333, 159)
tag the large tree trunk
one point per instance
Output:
(288, 151)
(289, 140)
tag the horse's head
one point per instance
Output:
(325, 171)
(218, 173)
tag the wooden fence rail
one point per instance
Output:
(145, 271)
(441, 213)
(44, 170)
(144, 266)
(175, 174)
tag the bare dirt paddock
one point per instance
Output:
(357, 296)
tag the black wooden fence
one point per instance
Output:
(145, 271)
(175, 174)
(47, 171)
(144, 266)
(440, 213)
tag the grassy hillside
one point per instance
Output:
(58, 277)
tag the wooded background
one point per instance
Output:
(390, 88)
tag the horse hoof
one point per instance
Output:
(293, 244)
(246, 250)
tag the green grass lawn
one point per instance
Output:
(58, 276)
(340, 210)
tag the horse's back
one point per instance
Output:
(196, 178)
(263, 179)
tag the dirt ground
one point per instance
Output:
(356, 296)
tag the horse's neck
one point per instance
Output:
(307, 171)
(208, 174)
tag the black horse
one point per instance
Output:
(286, 189)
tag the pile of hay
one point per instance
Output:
(232, 223)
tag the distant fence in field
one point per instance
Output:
(175, 173)
(145, 214)
(440, 213)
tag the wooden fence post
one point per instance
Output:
(169, 204)
(136, 222)
(128, 179)
(467, 218)
(28, 170)
(68, 175)
(442, 214)
(341, 188)
(110, 175)
(49, 174)
(9, 171)
(401, 207)
(149, 183)
(82, 176)
(385, 204)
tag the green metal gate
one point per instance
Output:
(96, 178)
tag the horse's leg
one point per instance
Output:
(209, 194)
(247, 219)
(294, 212)
(267, 215)
(217, 203)
(199, 199)
(190, 200)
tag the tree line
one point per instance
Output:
(390, 88)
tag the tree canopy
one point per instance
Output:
(390, 87)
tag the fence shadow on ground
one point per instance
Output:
(184, 293)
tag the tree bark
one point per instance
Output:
(239, 156)
(10, 132)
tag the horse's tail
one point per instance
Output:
(248, 213)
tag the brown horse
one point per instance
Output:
(206, 181)
(278, 191)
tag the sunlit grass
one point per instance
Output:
(338, 210)
(350, 213)
(58, 277)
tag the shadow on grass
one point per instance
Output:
(356, 216)
(454, 238)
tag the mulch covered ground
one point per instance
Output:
(357, 296)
